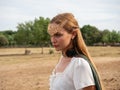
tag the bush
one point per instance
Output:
(3, 40)
(51, 51)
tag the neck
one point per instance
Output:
(67, 48)
(64, 55)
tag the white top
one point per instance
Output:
(76, 76)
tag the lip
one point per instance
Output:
(55, 46)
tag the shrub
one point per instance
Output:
(3, 40)
(51, 51)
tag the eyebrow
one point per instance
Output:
(57, 33)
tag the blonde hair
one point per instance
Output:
(69, 26)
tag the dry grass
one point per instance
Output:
(31, 72)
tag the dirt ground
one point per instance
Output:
(31, 72)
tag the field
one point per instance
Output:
(31, 72)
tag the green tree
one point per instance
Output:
(114, 37)
(33, 33)
(24, 35)
(9, 34)
(39, 32)
(91, 34)
(119, 36)
(3, 40)
(105, 36)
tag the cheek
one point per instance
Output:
(65, 41)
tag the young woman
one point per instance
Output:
(75, 69)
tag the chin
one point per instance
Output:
(57, 49)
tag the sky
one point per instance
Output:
(103, 14)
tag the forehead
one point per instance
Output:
(54, 28)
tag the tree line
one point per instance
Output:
(34, 34)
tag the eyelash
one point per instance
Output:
(58, 35)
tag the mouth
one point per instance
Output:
(55, 46)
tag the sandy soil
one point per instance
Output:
(109, 69)
(31, 72)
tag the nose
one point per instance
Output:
(53, 40)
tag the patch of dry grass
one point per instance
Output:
(104, 51)
(31, 72)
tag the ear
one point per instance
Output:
(74, 33)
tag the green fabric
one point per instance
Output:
(95, 75)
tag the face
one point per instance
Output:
(61, 40)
